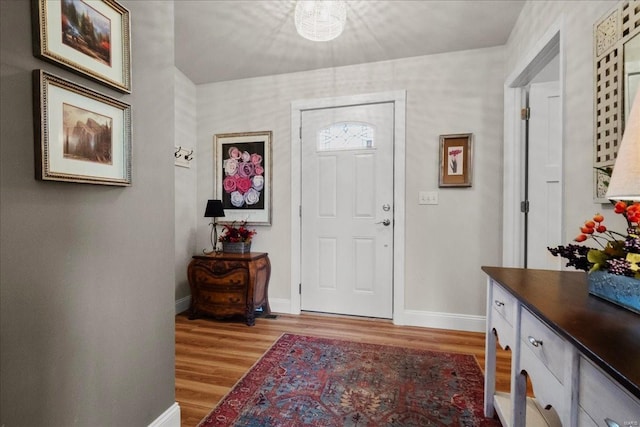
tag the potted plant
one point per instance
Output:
(614, 264)
(236, 239)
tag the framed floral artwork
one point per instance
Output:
(80, 135)
(243, 176)
(455, 160)
(91, 38)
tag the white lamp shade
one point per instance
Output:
(320, 20)
(625, 179)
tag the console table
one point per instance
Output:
(582, 354)
(226, 284)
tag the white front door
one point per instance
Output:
(347, 210)
(545, 176)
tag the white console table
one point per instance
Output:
(582, 354)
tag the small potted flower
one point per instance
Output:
(614, 264)
(236, 239)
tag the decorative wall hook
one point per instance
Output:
(183, 157)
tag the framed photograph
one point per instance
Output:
(80, 135)
(89, 37)
(455, 160)
(243, 176)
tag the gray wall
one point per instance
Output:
(185, 185)
(87, 272)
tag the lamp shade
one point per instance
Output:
(214, 209)
(320, 20)
(625, 179)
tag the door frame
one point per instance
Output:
(547, 47)
(398, 98)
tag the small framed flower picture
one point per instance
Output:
(455, 160)
(243, 176)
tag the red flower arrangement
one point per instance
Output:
(618, 253)
(233, 234)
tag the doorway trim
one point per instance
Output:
(398, 98)
(547, 47)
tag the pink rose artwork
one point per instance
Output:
(243, 182)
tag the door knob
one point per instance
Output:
(384, 222)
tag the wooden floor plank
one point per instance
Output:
(212, 355)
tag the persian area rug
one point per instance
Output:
(308, 381)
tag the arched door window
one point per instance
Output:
(346, 136)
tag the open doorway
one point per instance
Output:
(533, 155)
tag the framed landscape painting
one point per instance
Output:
(455, 160)
(80, 135)
(243, 176)
(89, 37)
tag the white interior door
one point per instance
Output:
(347, 210)
(545, 175)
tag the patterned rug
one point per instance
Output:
(308, 381)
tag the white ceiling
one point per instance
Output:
(218, 40)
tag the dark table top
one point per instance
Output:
(605, 333)
(229, 256)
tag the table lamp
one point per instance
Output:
(625, 179)
(213, 210)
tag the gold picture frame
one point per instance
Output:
(89, 38)
(81, 135)
(456, 160)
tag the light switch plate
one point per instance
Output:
(428, 198)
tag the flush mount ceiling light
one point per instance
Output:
(320, 20)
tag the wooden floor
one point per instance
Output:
(211, 356)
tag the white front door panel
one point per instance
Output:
(347, 197)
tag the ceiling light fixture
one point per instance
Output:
(320, 20)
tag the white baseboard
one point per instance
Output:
(169, 418)
(280, 305)
(454, 321)
(183, 304)
(426, 319)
